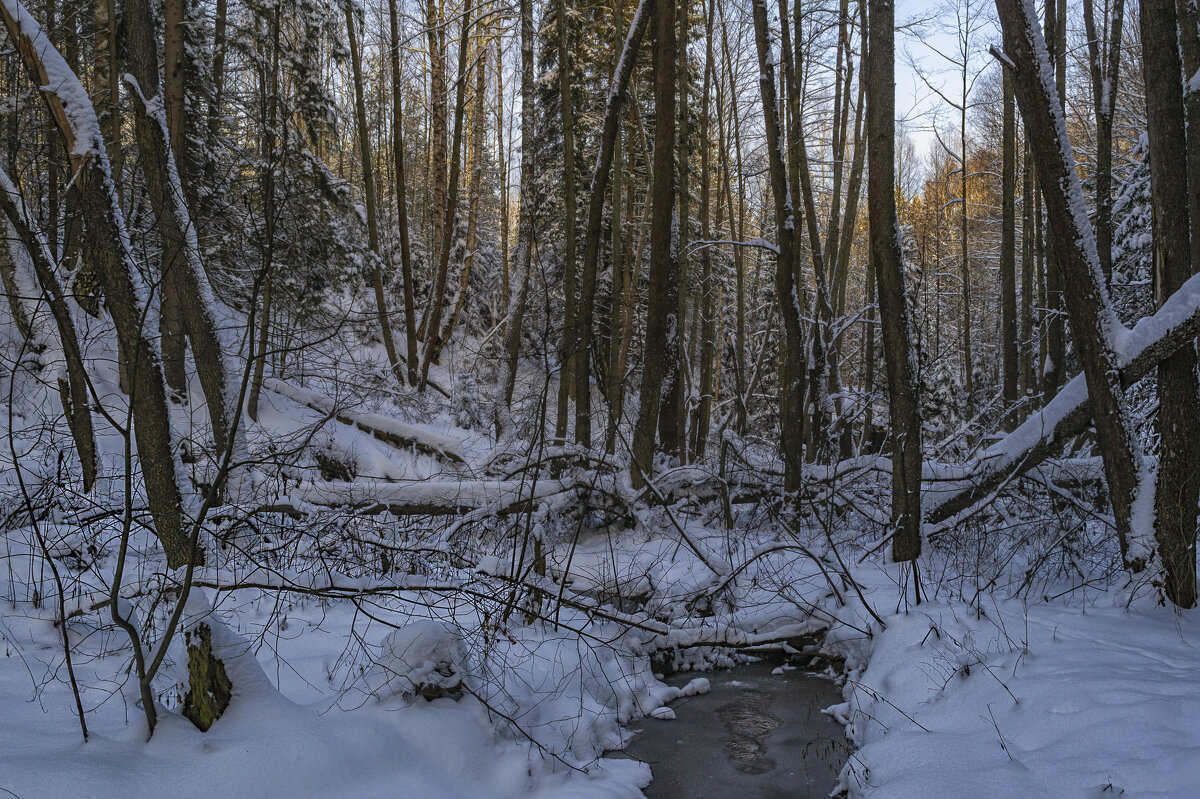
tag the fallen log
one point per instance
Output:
(1154, 338)
(390, 431)
(425, 498)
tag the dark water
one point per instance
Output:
(755, 736)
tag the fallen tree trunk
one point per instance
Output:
(1174, 325)
(424, 498)
(390, 431)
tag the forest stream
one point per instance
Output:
(756, 735)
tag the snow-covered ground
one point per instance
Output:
(1075, 697)
(332, 728)
(1074, 690)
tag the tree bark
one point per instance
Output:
(1178, 418)
(671, 420)
(903, 391)
(1008, 259)
(75, 398)
(609, 136)
(519, 283)
(1093, 322)
(186, 293)
(1054, 364)
(406, 271)
(123, 288)
(432, 322)
(368, 178)
(1105, 69)
(708, 289)
(661, 304)
(574, 348)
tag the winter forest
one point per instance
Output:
(577, 398)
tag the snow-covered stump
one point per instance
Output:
(423, 659)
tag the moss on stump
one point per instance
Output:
(209, 689)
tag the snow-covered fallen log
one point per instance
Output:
(390, 431)
(1155, 337)
(425, 498)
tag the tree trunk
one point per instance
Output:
(174, 85)
(126, 299)
(1092, 320)
(406, 271)
(474, 195)
(792, 411)
(707, 295)
(671, 420)
(1178, 418)
(75, 397)
(1054, 364)
(432, 323)
(368, 178)
(903, 391)
(437, 133)
(661, 304)
(1008, 259)
(1105, 69)
(186, 293)
(519, 283)
(1028, 386)
(574, 348)
(608, 144)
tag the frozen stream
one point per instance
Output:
(754, 736)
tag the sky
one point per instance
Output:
(919, 44)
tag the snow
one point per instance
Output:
(1065, 699)
(419, 435)
(267, 744)
(61, 82)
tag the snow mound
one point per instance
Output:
(423, 658)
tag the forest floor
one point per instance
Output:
(1078, 696)
(1074, 690)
